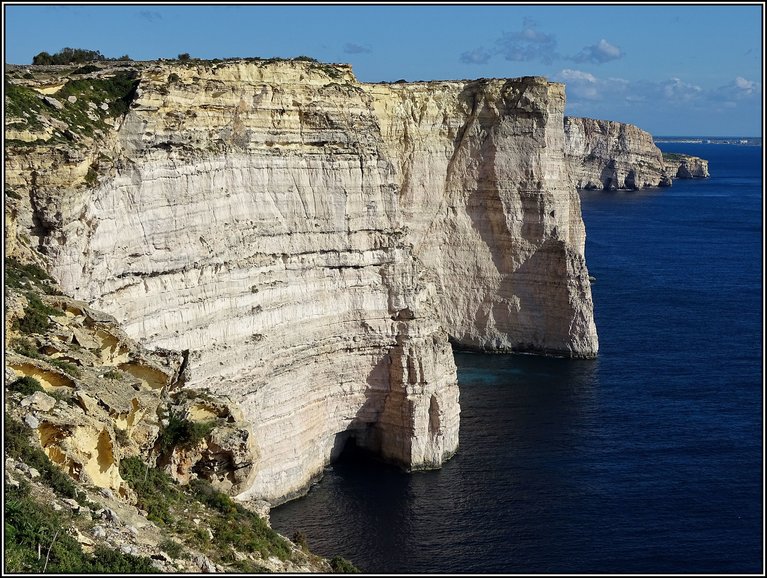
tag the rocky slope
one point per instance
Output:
(310, 243)
(612, 155)
(85, 399)
(685, 166)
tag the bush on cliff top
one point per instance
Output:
(73, 56)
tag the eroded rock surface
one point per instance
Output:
(313, 243)
(612, 155)
(682, 166)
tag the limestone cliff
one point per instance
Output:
(685, 166)
(612, 155)
(312, 242)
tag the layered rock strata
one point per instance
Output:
(313, 242)
(612, 155)
(681, 166)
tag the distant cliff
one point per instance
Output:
(610, 155)
(681, 166)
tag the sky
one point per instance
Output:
(671, 70)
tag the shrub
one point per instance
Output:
(18, 275)
(156, 491)
(68, 56)
(87, 69)
(171, 548)
(206, 494)
(341, 565)
(92, 176)
(173, 77)
(18, 447)
(113, 374)
(25, 347)
(184, 56)
(182, 432)
(299, 539)
(32, 527)
(36, 314)
(26, 385)
(66, 366)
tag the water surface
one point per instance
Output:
(647, 459)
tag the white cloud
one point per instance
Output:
(477, 56)
(576, 75)
(598, 53)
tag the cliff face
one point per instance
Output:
(685, 166)
(612, 155)
(312, 242)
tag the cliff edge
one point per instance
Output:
(309, 242)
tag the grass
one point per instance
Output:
(32, 527)
(36, 315)
(65, 366)
(155, 489)
(20, 99)
(25, 347)
(21, 275)
(173, 506)
(117, 91)
(19, 447)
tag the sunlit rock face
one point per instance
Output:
(612, 155)
(315, 242)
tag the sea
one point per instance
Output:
(648, 459)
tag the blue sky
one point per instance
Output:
(668, 69)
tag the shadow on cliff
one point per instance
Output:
(361, 440)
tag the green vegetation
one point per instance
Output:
(673, 156)
(117, 91)
(20, 99)
(25, 347)
(25, 385)
(83, 116)
(183, 433)
(173, 506)
(155, 489)
(66, 366)
(184, 57)
(341, 565)
(36, 314)
(92, 176)
(87, 69)
(19, 276)
(73, 56)
(19, 447)
(171, 548)
(36, 541)
(113, 374)
(173, 77)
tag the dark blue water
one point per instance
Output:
(645, 460)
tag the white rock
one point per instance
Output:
(53, 102)
(72, 99)
(372, 220)
(31, 421)
(99, 532)
(39, 400)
